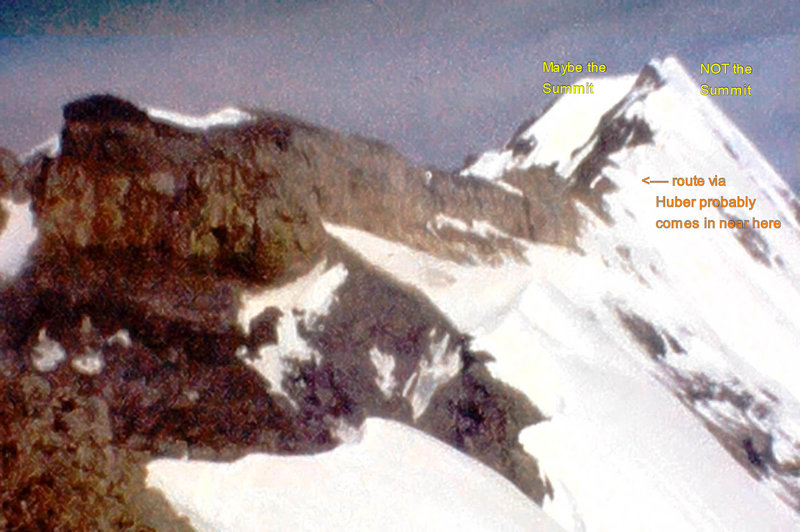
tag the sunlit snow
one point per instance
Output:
(230, 116)
(436, 369)
(620, 448)
(384, 365)
(394, 478)
(16, 238)
(51, 147)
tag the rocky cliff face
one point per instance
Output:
(218, 201)
(245, 205)
(248, 200)
(154, 236)
(9, 166)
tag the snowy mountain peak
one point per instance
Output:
(681, 297)
(671, 71)
(650, 77)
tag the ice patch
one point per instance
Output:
(273, 360)
(441, 366)
(90, 363)
(121, 338)
(481, 228)
(47, 353)
(384, 365)
(309, 296)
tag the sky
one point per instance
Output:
(438, 80)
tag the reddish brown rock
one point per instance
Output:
(9, 166)
(61, 470)
(125, 185)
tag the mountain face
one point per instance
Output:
(247, 291)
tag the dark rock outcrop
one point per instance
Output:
(483, 417)
(9, 166)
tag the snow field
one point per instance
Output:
(394, 478)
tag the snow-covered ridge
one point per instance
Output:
(312, 292)
(481, 228)
(229, 116)
(226, 117)
(639, 350)
(490, 167)
(470, 297)
(550, 137)
(677, 347)
(394, 478)
(554, 331)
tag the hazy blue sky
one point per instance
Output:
(436, 79)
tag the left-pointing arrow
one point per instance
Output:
(647, 180)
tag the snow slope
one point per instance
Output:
(394, 478)
(658, 355)
(621, 450)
